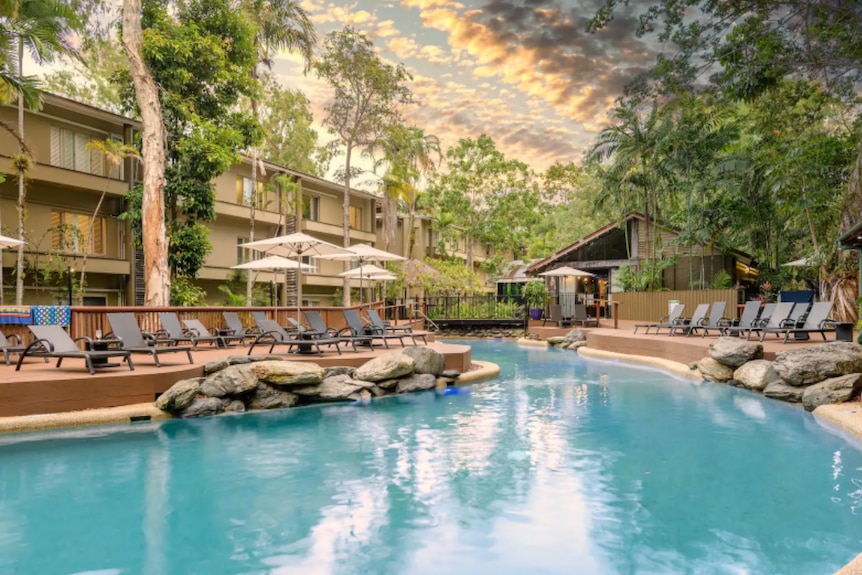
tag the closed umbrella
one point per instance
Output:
(297, 246)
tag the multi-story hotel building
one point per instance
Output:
(66, 181)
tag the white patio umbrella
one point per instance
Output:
(7, 242)
(297, 246)
(363, 253)
(272, 263)
(568, 272)
(371, 273)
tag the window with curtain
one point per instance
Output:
(356, 218)
(70, 233)
(311, 207)
(245, 193)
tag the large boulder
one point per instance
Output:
(756, 374)
(234, 380)
(338, 370)
(714, 371)
(834, 390)
(180, 395)
(268, 397)
(780, 390)
(385, 367)
(203, 406)
(239, 359)
(285, 373)
(557, 340)
(426, 360)
(576, 335)
(416, 382)
(335, 388)
(734, 351)
(814, 364)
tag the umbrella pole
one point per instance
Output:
(299, 287)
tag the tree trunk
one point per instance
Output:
(19, 276)
(251, 213)
(411, 241)
(390, 221)
(156, 273)
(345, 222)
(470, 252)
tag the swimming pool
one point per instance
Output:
(559, 466)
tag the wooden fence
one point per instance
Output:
(93, 321)
(650, 306)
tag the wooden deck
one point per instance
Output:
(42, 388)
(678, 348)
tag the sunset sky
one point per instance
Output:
(523, 71)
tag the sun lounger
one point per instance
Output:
(716, 320)
(175, 331)
(668, 321)
(369, 331)
(778, 318)
(555, 314)
(238, 331)
(273, 334)
(8, 347)
(746, 321)
(815, 322)
(128, 334)
(53, 341)
(582, 317)
(378, 324)
(693, 323)
(317, 329)
(196, 327)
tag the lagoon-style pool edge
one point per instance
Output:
(848, 417)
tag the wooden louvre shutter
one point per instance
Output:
(96, 162)
(68, 157)
(99, 236)
(55, 146)
(82, 157)
(56, 232)
(239, 190)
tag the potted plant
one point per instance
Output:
(535, 296)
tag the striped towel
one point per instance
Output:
(50, 315)
(19, 314)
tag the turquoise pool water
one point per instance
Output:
(560, 466)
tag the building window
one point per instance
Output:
(70, 233)
(311, 208)
(245, 195)
(69, 151)
(244, 255)
(356, 218)
(310, 261)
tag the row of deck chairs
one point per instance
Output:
(127, 338)
(784, 318)
(555, 314)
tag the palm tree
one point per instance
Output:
(43, 28)
(279, 25)
(410, 155)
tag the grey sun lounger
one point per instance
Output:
(555, 314)
(746, 321)
(53, 341)
(379, 325)
(815, 322)
(716, 320)
(696, 321)
(10, 348)
(582, 317)
(196, 327)
(127, 332)
(317, 330)
(175, 331)
(778, 318)
(369, 331)
(668, 321)
(238, 331)
(273, 334)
